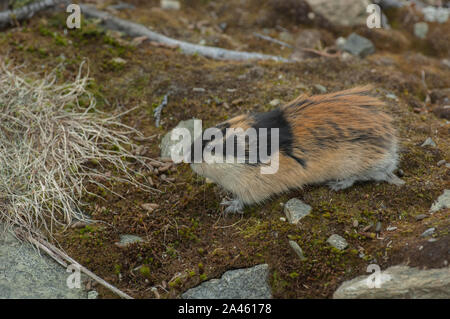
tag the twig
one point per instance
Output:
(157, 112)
(270, 39)
(136, 30)
(321, 53)
(57, 254)
(9, 17)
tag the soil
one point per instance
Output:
(188, 239)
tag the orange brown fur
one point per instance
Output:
(337, 138)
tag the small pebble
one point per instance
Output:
(428, 232)
(378, 227)
(391, 228)
(428, 142)
(420, 217)
(355, 223)
(297, 249)
(275, 102)
(337, 242)
(441, 162)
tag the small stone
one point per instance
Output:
(297, 250)
(443, 201)
(428, 232)
(428, 142)
(170, 5)
(295, 210)
(149, 206)
(358, 45)
(355, 223)
(198, 90)
(378, 227)
(392, 96)
(275, 102)
(441, 162)
(337, 242)
(119, 61)
(320, 89)
(340, 42)
(420, 217)
(421, 30)
(223, 26)
(92, 294)
(391, 228)
(282, 219)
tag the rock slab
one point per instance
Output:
(400, 282)
(248, 283)
(26, 274)
(443, 201)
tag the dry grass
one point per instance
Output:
(51, 148)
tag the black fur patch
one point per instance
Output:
(276, 119)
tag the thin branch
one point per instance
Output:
(58, 255)
(138, 30)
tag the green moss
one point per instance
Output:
(145, 271)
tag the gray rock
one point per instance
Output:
(428, 142)
(398, 282)
(421, 30)
(337, 242)
(342, 12)
(428, 232)
(297, 250)
(441, 162)
(248, 283)
(358, 45)
(443, 201)
(295, 210)
(167, 143)
(420, 217)
(27, 274)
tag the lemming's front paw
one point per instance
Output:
(234, 206)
